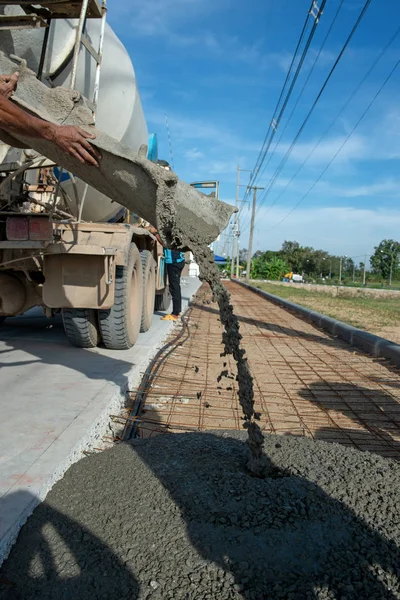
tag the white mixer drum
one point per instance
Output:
(119, 109)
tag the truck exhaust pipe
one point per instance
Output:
(151, 192)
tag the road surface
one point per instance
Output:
(55, 402)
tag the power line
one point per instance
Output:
(284, 85)
(321, 91)
(345, 105)
(313, 13)
(341, 147)
(305, 84)
(300, 95)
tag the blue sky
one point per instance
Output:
(216, 68)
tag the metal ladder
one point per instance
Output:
(42, 13)
(82, 40)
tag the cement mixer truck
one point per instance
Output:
(64, 245)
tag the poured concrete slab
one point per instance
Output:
(55, 401)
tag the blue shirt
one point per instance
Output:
(173, 256)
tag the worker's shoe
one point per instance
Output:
(170, 318)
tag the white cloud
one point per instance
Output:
(201, 130)
(193, 154)
(175, 22)
(220, 167)
(357, 147)
(158, 17)
(347, 230)
(388, 188)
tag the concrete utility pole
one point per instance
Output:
(365, 270)
(237, 249)
(235, 226)
(253, 214)
(235, 221)
(340, 268)
(391, 271)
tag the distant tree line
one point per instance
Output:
(320, 264)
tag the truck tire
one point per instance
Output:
(120, 325)
(149, 289)
(163, 301)
(81, 327)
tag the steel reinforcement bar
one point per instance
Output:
(363, 340)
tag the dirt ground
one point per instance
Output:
(389, 333)
(380, 315)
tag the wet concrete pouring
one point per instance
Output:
(180, 516)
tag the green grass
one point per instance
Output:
(371, 314)
(373, 285)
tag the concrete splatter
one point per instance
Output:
(257, 463)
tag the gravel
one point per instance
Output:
(179, 516)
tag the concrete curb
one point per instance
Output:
(367, 342)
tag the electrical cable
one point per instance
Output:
(318, 97)
(339, 114)
(278, 112)
(340, 148)
(305, 84)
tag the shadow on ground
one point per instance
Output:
(202, 528)
(60, 558)
(283, 537)
(40, 341)
(375, 414)
(326, 340)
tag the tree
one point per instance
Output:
(385, 260)
(348, 268)
(268, 267)
(293, 254)
(259, 268)
(277, 268)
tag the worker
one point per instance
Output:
(175, 262)
(15, 121)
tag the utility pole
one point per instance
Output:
(234, 226)
(340, 268)
(354, 271)
(365, 270)
(391, 271)
(237, 249)
(253, 214)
